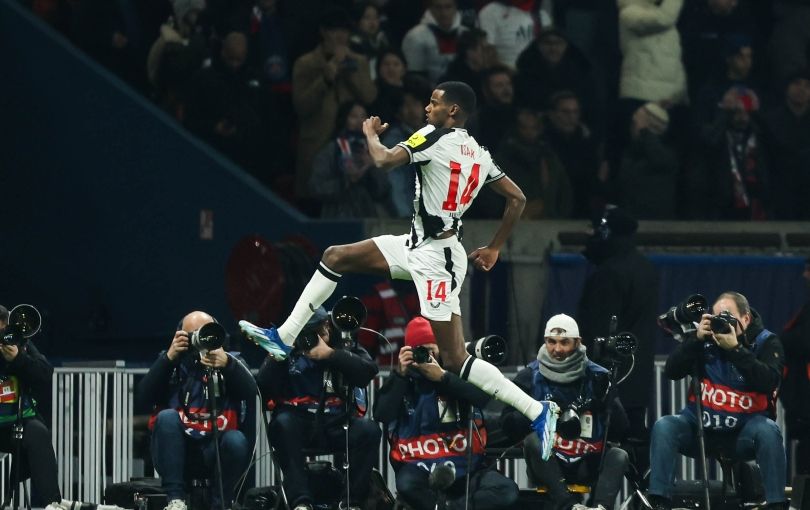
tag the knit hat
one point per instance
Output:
(658, 118)
(319, 316)
(419, 332)
(562, 322)
(182, 7)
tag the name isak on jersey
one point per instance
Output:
(466, 151)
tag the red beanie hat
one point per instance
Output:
(419, 332)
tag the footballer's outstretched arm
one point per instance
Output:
(485, 257)
(382, 156)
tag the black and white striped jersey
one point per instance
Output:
(451, 170)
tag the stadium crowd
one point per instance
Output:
(674, 109)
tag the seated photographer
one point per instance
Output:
(740, 366)
(427, 410)
(563, 373)
(24, 371)
(178, 387)
(311, 394)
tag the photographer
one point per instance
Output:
(563, 373)
(426, 410)
(310, 394)
(23, 370)
(177, 385)
(739, 364)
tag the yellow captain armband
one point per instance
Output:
(415, 140)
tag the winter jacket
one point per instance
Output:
(651, 47)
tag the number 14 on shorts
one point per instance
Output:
(437, 290)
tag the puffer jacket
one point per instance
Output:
(651, 48)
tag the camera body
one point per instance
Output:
(421, 354)
(569, 424)
(347, 316)
(616, 346)
(723, 322)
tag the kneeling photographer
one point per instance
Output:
(189, 383)
(25, 375)
(426, 410)
(312, 396)
(739, 365)
(563, 373)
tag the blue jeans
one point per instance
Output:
(170, 446)
(759, 439)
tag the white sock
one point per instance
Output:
(487, 377)
(320, 287)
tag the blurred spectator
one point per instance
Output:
(368, 40)
(343, 175)
(473, 57)
(497, 113)
(267, 32)
(175, 57)
(731, 181)
(790, 39)
(704, 25)
(431, 45)
(796, 384)
(390, 74)
(573, 143)
(323, 79)
(551, 64)
(651, 49)
(409, 118)
(534, 167)
(113, 33)
(787, 128)
(227, 104)
(510, 26)
(648, 176)
(738, 63)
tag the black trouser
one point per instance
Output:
(39, 460)
(554, 474)
(292, 430)
(489, 489)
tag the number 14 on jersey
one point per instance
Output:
(450, 203)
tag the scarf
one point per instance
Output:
(566, 371)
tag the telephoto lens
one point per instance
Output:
(421, 354)
(209, 337)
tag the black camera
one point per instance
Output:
(682, 317)
(209, 337)
(723, 322)
(569, 424)
(24, 322)
(490, 348)
(619, 345)
(421, 354)
(347, 316)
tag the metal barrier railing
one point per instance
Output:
(92, 428)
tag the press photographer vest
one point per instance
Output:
(429, 432)
(308, 384)
(590, 440)
(9, 393)
(189, 397)
(728, 402)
